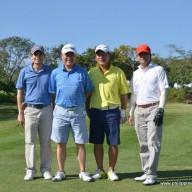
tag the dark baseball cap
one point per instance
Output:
(37, 48)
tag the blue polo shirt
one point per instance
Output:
(70, 86)
(35, 84)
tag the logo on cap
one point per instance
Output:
(69, 48)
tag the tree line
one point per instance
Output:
(15, 54)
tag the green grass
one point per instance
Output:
(8, 112)
(175, 165)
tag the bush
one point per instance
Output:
(8, 87)
(7, 97)
(176, 95)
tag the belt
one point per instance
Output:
(71, 108)
(37, 106)
(109, 107)
(148, 105)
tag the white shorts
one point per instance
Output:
(65, 120)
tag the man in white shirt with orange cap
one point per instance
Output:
(148, 96)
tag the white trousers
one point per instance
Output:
(149, 137)
(38, 121)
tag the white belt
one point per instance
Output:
(109, 107)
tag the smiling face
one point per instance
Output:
(68, 59)
(37, 57)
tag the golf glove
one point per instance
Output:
(123, 116)
(158, 119)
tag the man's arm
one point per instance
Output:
(21, 106)
(53, 100)
(87, 104)
(123, 108)
(132, 109)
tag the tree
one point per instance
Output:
(124, 57)
(53, 56)
(87, 59)
(180, 65)
(13, 53)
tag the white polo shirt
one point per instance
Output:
(147, 84)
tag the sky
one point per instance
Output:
(88, 23)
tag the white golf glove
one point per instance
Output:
(123, 116)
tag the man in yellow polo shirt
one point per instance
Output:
(106, 109)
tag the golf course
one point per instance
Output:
(174, 171)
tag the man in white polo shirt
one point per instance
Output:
(148, 96)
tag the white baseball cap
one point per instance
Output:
(69, 48)
(103, 48)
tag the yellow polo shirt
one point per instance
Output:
(108, 87)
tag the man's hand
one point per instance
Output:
(131, 120)
(21, 119)
(158, 119)
(123, 116)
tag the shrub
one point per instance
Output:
(176, 95)
(7, 97)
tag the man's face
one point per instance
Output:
(102, 58)
(144, 58)
(37, 57)
(68, 58)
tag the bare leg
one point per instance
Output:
(81, 156)
(113, 155)
(99, 153)
(61, 156)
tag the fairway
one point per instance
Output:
(175, 165)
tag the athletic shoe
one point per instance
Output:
(141, 178)
(112, 176)
(59, 176)
(99, 174)
(47, 175)
(30, 174)
(85, 176)
(149, 182)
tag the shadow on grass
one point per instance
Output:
(163, 176)
(68, 177)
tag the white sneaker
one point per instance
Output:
(141, 178)
(59, 176)
(47, 175)
(30, 174)
(112, 176)
(149, 182)
(99, 174)
(85, 176)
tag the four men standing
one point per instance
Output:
(104, 91)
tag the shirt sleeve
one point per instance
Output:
(52, 83)
(21, 80)
(88, 83)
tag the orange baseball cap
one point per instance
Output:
(143, 48)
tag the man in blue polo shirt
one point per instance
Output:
(70, 84)
(36, 116)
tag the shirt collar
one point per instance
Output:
(31, 68)
(148, 67)
(73, 68)
(111, 66)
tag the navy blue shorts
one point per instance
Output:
(104, 123)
